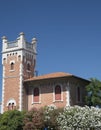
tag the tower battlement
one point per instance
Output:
(19, 43)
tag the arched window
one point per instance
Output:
(58, 92)
(34, 63)
(78, 94)
(11, 105)
(36, 95)
(12, 66)
(28, 67)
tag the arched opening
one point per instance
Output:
(58, 93)
(36, 95)
(28, 67)
(11, 104)
(78, 94)
(12, 66)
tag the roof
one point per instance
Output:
(49, 76)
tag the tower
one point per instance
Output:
(18, 60)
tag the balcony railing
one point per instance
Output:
(12, 44)
(29, 45)
(15, 44)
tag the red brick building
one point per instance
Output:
(22, 90)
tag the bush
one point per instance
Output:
(12, 120)
(50, 117)
(80, 117)
(33, 120)
(46, 117)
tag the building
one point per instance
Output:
(22, 90)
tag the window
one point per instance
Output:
(28, 67)
(36, 95)
(78, 94)
(11, 105)
(12, 66)
(34, 63)
(4, 58)
(19, 57)
(57, 92)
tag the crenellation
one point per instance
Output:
(19, 44)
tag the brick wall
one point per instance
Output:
(11, 80)
(47, 90)
(46, 94)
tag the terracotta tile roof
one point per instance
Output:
(49, 76)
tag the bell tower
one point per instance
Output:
(18, 61)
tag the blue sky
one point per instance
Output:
(68, 33)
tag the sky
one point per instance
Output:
(68, 33)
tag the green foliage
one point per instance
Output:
(93, 97)
(71, 118)
(12, 120)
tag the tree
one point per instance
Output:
(12, 120)
(39, 119)
(33, 119)
(93, 97)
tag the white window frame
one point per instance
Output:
(54, 92)
(33, 95)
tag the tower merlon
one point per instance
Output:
(4, 39)
(34, 42)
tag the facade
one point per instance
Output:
(22, 90)
(59, 89)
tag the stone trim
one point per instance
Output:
(20, 87)
(3, 84)
(68, 94)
